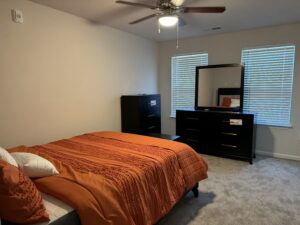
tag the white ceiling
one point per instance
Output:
(239, 15)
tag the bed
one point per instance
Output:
(118, 178)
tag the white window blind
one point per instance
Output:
(183, 80)
(268, 83)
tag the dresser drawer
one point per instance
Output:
(196, 131)
(150, 106)
(152, 129)
(200, 145)
(151, 126)
(232, 136)
(194, 121)
(190, 132)
(190, 121)
(150, 119)
(233, 140)
(237, 149)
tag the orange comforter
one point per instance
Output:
(118, 178)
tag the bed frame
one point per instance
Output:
(195, 190)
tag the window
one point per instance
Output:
(183, 80)
(268, 83)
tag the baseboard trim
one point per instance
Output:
(278, 155)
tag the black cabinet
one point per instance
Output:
(219, 133)
(141, 114)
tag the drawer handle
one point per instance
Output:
(192, 140)
(151, 115)
(225, 121)
(229, 146)
(191, 118)
(150, 128)
(231, 134)
(192, 129)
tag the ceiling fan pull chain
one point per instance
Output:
(177, 44)
(158, 27)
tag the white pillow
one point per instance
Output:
(235, 102)
(5, 156)
(33, 165)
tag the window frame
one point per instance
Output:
(290, 122)
(173, 114)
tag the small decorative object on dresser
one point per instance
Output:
(141, 114)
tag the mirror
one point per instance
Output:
(219, 87)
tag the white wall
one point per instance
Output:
(226, 48)
(61, 75)
(206, 88)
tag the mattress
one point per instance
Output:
(59, 212)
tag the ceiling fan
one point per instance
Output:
(168, 11)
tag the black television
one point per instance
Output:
(220, 87)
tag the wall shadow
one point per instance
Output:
(264, 141)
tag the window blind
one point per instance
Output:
(268, 83)
(183, 80)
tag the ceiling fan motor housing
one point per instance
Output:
(166, 6)
(170, 8)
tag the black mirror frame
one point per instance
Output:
(219, 66)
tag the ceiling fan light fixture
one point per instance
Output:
(168, 21)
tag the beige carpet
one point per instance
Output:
(237, 193)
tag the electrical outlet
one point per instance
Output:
(17, 16)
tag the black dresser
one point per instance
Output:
(141, 114)
(219, 133)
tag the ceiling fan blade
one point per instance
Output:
(203, 9)
(143, 19)
(137, 4)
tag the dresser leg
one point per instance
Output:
(195, 190)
